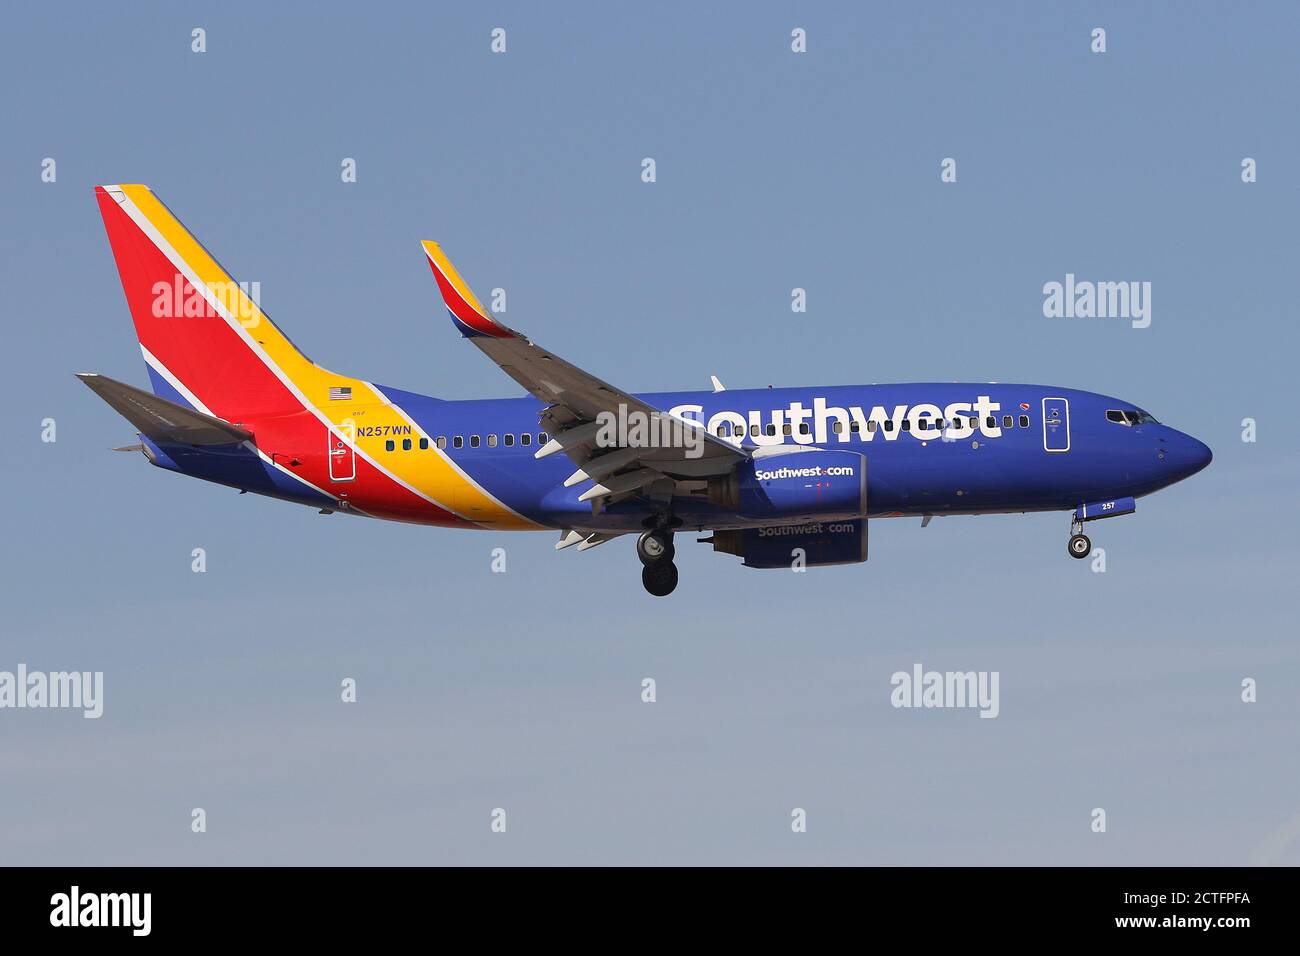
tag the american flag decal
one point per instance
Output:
(341, 393)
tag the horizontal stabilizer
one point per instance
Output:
(162, 421)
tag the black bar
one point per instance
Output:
(927, 905)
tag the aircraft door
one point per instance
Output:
(342, 453)
(1056, 424)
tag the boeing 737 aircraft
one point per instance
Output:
(778, 476)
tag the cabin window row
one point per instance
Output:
(723, 431)
(475, 441)
(837, 427)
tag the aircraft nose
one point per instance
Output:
(1185, 455)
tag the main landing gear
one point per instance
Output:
(655, 549)
(1080, 545)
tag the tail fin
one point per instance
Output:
(206, 341)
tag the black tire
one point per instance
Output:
(660, 579)
(1079, 546)
(655, 547)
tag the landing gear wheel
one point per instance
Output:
(655, 547)
(1079, 546)
(659, 579)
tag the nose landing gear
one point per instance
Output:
(1080, 545)
(656, 551)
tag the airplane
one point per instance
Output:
(779, 477)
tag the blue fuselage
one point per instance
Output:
(1001, 448)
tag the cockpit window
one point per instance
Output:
(1130, 416)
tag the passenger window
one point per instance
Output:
(889, 425)
(508, 438)
(492, 441)
(907, 424)
(990, 422)
(473, 441)
(739, 431)
(854, 427)
(406, 444)
(837, 426)
(753, 431)
(804, 429)
(457, 442)
(871, 426)
(442, 441)
(722, 431)
(1024, 421)
(541, 438)
(1008, 421)
(526, 438)
(424, 443)
(388, 445)
(785, 429)
(770, 429)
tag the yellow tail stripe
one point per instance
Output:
(430, 474)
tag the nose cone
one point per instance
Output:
(1185, 455)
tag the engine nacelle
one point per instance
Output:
(811, 484)
(781, 546)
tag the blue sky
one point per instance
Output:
(775, 170)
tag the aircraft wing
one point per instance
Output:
(160, 420)
(575, 402)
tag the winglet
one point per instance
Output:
(466, 310)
